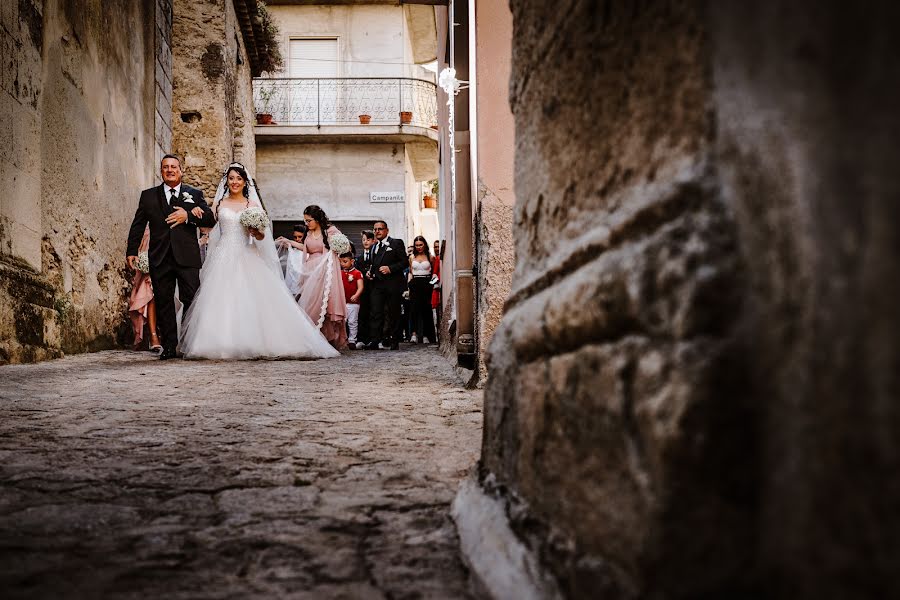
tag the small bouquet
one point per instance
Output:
(339, 243)
(143, 262)
(254, 217)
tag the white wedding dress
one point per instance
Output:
(243, 309)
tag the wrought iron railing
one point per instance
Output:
(342, 101)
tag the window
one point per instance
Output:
(313, 58)
(314, 101)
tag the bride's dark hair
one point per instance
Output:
(242, 171)
(318, 215)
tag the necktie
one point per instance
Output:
(172, 197)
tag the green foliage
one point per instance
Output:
(268, 47)
(63, 305)
(266, 92)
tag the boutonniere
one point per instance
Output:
(186, 197)
(388, 249)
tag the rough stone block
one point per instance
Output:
(9, 63)
(9, 17)
(163, 132)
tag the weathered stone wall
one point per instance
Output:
(692, 393)
(213, 95)
(78, 107)
(807, 96)
(606, 412)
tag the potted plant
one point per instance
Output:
(264, 117)
(430, 200)
(365, 119)
(405, 117)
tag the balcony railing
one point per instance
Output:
(341, 101)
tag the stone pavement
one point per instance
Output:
(125, 477)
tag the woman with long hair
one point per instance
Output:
(321, 287)
(243, 310)
(420, 288)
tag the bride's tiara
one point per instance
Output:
(234, 164)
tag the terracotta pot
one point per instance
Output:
(264, 119)
(429, 201)
(405, 117)
(365, 119)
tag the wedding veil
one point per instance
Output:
(266, 246)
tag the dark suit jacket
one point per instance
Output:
(394, 256)
(361, 263)
(153, 208)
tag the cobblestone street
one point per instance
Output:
(125, 477)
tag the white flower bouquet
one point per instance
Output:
(254, 217)
(339, 243)
(143, 262)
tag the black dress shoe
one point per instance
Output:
(167, 354)
(371, 346)
(395, 346)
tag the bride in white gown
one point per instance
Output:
(243, 308)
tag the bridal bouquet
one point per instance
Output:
(143, 263)
(339, 243)
(254, 217)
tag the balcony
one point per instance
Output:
(399, 110)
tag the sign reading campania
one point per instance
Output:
(386, 197)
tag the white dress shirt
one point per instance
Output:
(177, 189)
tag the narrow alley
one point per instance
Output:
(121, 476)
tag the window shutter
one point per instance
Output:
(314, 58)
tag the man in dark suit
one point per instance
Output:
(363, 262)
(387, 281)
(174, 212)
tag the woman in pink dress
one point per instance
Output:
(140, 304)
(321, 288)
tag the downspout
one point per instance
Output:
(462, 186)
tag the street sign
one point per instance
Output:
(386, 197)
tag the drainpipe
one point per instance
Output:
(462, 202)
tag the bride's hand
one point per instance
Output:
(256, 233)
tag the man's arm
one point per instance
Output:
(208, 219)
(398, 258)
(136, 232)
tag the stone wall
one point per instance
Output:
(807, 97)
(692, 393)
(78, 106)
(213, 95)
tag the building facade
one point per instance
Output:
(353, 117)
